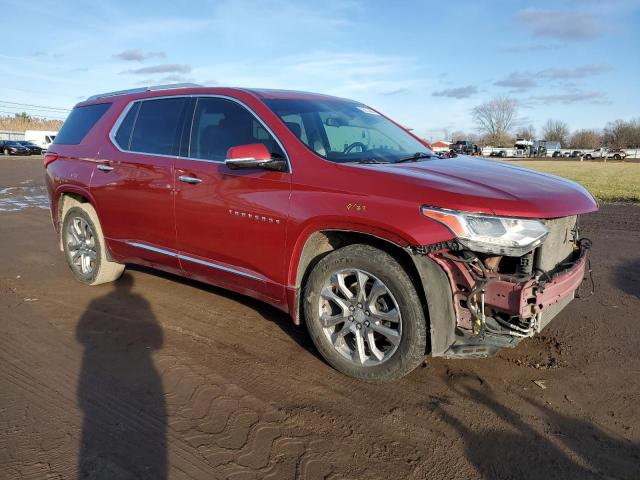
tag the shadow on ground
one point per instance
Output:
(297, 332)
(628, 277)
(120, 391)
(569, 447)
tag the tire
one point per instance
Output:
(588, 157)
(617, 157)
(85, 250)
(395, 322)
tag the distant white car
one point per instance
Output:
(605, 153)
(42, 138)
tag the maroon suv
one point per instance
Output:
(324, 208)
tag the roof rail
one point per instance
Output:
(152, 88)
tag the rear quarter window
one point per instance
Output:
(79, 122)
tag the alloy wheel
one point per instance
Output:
(81, 245)
(360, 317)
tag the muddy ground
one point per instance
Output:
(156, 376)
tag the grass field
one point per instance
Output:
(609, 182)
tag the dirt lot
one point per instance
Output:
(156, 376)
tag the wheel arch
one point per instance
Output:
(321, 242)
(68, 197)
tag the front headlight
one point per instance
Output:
(487, 234)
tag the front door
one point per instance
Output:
(230, 224)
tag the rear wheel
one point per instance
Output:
(588, 157)
(364, 314)
(84, 247)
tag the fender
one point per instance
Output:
(61, 190)
(320, 225)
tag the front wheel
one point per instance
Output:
(364, 314)
(617, 157)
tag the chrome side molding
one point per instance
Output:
(193, 260)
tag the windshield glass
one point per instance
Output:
(346, 132)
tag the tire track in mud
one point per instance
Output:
(215, 428)
(236, 432)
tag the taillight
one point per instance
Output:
(50, 157)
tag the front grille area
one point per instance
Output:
(559, 244)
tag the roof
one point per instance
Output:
(201, 89)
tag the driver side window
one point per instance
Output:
(219, 124)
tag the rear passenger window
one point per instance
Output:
(220, 124)
(156, 127)
(123, 136)
(79, 122)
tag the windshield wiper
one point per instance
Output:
(366, 160)
(413, 158)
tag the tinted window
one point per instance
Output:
(219, 124)
(156, 127)
(123, 136)
(79, 122)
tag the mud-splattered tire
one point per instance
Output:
(364, 315)
(84, 247)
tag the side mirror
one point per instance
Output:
(253, 155)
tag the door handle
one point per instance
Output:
(105, 168)
(187, 179)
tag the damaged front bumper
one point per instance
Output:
(498, 301)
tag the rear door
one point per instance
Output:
(133, 183)
(230, 224)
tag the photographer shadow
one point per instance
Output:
(120, 392)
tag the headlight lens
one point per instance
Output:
(487, 234)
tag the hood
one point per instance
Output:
(477, 185)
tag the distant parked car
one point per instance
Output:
(13, 147)
(32, 147)
(498, 153)
(616, 154)
(463, 146)
(576, 154)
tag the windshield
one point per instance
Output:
(346, 132)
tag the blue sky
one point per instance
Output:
(426, 64)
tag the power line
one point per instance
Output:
(17, 113)
(35, 111)
(36, 106)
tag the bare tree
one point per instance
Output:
(556, 131)
(446, 134)
(586, 139)
(495, 119)
(623, 133)
(527, 133)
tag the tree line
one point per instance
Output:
(23, 121)
(497, 124)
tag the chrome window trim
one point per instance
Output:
(194, 260)
(123, 114)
